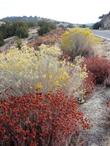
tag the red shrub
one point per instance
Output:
(99, 67)
(41, 120)
(52, 37)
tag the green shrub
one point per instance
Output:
(1, 40)
(21, 29)
(45, 26)
(18, 43)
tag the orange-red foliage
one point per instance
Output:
(49, 39)
(99, 68)
(41, 120)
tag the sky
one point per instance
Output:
(74, 11)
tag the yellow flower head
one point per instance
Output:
(38, 86)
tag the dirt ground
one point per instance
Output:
(98, 113)
(103, 49)
(95, 108)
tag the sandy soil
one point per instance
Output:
(96, 110)
(103, 49)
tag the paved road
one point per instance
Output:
(103, 33)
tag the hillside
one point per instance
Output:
(21, 19)
(34, 19)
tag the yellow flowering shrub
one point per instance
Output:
(78, 41)
(27, 71)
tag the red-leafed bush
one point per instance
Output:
(51, 38)
(99, 67)
(39, 120)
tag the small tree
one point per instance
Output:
(18, 43)
(1, 40)
(45, 26)
(97, 25)
(21, 29)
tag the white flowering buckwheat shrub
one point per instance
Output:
(17, 71)
(28, 71)
(55, 74)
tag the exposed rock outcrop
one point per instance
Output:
(105, 21)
